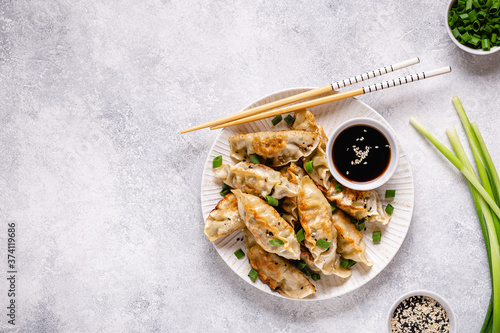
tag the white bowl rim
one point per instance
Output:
(463, 47)
(393, 163)
(423, 292)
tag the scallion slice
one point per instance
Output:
(277, 242)
(333, 207)
(276, 120)
(225, 189)
(377, 236)
(361, 225)
(323, 243)
(301, 264)
(289, 119)
(390, 193)
(389, 209)
(239, 254)
(338, 187)
(315, 276)
(300, 235)
(344, 263)
(254, 158)
(253, 274)
(309, 167)
(272, 201)
(217, 162)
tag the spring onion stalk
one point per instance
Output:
(485, 193)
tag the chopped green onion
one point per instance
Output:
(315, 276)
(377, 236)
(217, 162)
(309, 167)
(361, 225)
(277, 242)
(390, 193)
(301, 264)
(272, 201)
(389, 209)
(253, 274)
(323, 243)
(346, 263)
(254, 158)
(486, 44)
(338, 187)
(333, 207)
(300, 235)
(239, 254)
(225, 189)
(289, 119)
(276, 120)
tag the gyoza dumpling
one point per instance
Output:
(276, 148)
(266, 224)
(349, 239)
(278, 273)
(304, 120)
(224, 219)
(256, 179)
(359, 204)
(315, 214)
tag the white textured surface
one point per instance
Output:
(105, 191)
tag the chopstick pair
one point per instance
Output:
(269, 109)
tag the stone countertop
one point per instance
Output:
(105, 192)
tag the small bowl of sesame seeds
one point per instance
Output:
(362, 153)
(421, 311)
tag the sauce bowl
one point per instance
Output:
(385, 174)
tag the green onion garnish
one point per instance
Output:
(301, 264)
(377, 236)
(480, 17)
(338, 187)
(253, 274)
(389, 208)
(309, 167)
(254, 158)
(315, 276)
(333, 207)
(217, 162)
(289, 119)
(361, 225)
(323, 243)
(276, 120)
(225, 189)
(390, 193)
(277, 242)
(272, 201)
(346, 263)
(239, 254)
(300, 235)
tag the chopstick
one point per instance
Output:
(306, 94)
(339, 96)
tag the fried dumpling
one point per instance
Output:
(278, 273)
(360, 204)
(256, 179)
(267, 226)
(315, 215)
(224, 219)
(304, 120)
(350, 243)
(275, 148)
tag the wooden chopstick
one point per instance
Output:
(339, 96)
(306, 94)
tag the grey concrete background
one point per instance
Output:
(105, 192)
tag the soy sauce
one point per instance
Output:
(361, 153)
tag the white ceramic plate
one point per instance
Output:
(393, 234)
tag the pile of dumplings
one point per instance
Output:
(305, 204)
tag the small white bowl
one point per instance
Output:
(439, 299)
(463, 47)
(393, 162)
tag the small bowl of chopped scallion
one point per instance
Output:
(474, 25)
